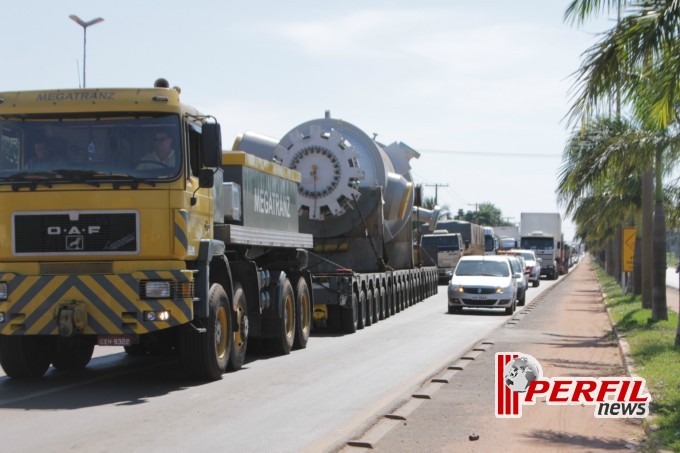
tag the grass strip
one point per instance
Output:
(655, 356)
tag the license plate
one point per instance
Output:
(478, 297)
(114, 340)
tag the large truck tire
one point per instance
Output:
(282, 343)
(361, 306)
(239, 345)
(383, 312)
(370, 308)
(350, 316)
(25, 356)
(205, 355)
(303, 314)
(72, 353)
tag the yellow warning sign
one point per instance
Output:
(628, 249)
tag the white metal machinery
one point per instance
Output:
(336, 159)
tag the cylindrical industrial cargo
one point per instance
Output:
(336, 160)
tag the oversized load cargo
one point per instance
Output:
(356, 198)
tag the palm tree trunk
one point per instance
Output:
(637, 265)
(646, 238)
(659, 307)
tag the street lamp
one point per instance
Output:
(84, 24)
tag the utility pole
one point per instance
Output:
(436, 190)
(476, 216)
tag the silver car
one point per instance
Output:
(483, 282)
(522, 278)
(533, 265)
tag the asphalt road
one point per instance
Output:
(312, 400)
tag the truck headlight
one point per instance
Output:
(3, 291)
(156, 289)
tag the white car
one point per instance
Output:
(483, 282)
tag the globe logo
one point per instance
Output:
(520, 372)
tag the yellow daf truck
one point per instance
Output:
(122, 223)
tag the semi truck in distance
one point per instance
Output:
(472, 234)
(135, 229)
(444, 250)
(356, 199)
(490, 241)
(508, 237)
(542, 233)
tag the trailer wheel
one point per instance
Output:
(350, 316)
(303, 310)
(283, 342)
(397, 297)
(370, 308)
(204, 355)
(361, 305)
(25, 356)
(72, 353)
(237, 354)
(381, 302)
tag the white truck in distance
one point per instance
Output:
(542, 233)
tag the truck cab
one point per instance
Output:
(444, 250)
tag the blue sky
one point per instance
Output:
(480, 89)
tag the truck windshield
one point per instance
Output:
(537, 243)
(73, 149)
(440, 242)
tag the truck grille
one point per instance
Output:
(479, 290)
(76, 233)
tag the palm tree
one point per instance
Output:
(599, 181)
(640, 59)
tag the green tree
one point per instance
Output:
(484, 214)
(639, 61)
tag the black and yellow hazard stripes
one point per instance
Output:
(113, 302)
(180, 242)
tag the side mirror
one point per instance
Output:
(518, 275)
(206, 178)
(211, 145)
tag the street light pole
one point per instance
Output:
(84, 24)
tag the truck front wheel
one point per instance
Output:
(25, 356)
(237, 354)
(283, 342)
(204, 354)
(72, 353)
(303, 311)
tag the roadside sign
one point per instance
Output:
(628, 249)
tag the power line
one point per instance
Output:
(490, 153)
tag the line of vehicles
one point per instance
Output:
(483, 269)
(199, 250)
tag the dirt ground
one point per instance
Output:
(569, 332)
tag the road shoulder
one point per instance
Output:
(568, 331)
